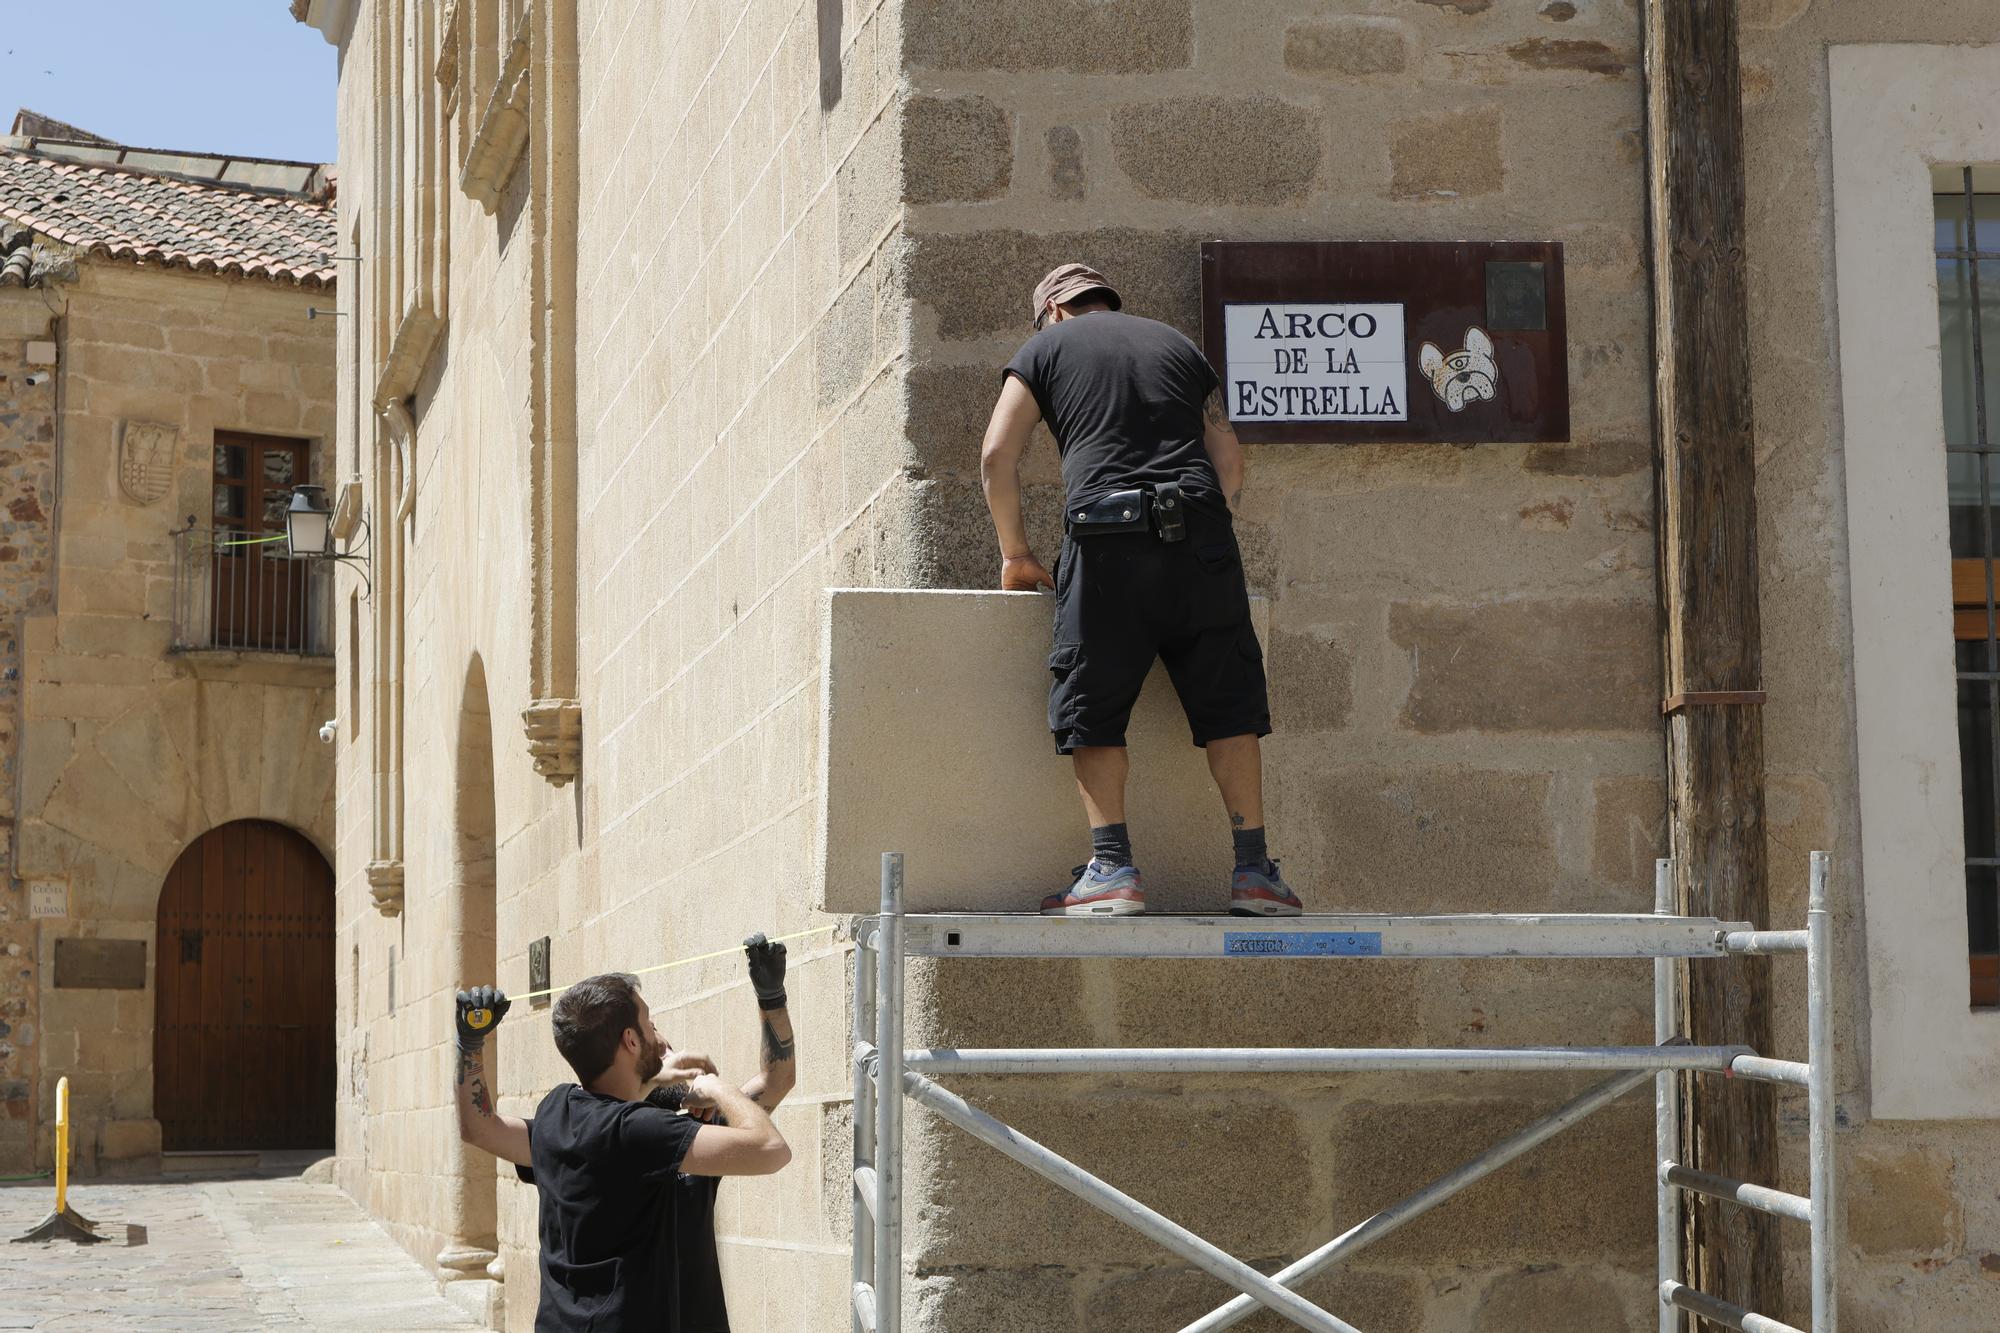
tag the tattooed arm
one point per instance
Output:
(1224, 449)
(479, 1124)
(777, 1065)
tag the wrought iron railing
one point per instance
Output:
(242, 591)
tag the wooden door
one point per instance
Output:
(259, 591)
(243, 1024)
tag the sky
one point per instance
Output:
(214, 76)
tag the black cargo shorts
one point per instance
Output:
(1125, 598)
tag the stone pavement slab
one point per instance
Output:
(247, 1253)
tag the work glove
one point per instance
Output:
(767, 970)
(479, 1012)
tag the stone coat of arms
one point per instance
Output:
(146, 460)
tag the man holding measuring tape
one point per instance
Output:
(628, 1159)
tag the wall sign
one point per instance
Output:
(1339, 341)
(95, 964)
(48, 899)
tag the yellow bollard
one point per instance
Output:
(64, 1223)
(62, 1144)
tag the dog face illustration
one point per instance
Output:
(1466, 376)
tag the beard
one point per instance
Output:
(652, 1059)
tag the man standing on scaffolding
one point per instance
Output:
(1149, 568)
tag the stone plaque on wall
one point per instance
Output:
(1377, 341)
(100, 964)
(146, 453)
(48, 898)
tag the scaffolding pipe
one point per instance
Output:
(1058, 1170)
(862, 1247)
(888, 1103)
(1792, 1073)
(1760, 1197)
(1287, 1060)
(1718, 1311)
(1819, 1096)
(1359, 1237)
(1666, 1098)
(1764, 941)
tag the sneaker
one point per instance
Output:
(1100, 890)
(1254, 892)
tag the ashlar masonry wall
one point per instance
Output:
(1461, 648)
(127, 752)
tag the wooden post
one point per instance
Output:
(1706, 473)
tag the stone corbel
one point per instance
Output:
(502, 136)
(447, 62)
(555, 738)
(385, 885)
(416, 334)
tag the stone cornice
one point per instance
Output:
(411, 347)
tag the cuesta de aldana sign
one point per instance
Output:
(1336, 341)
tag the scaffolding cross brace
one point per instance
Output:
(885, 1074)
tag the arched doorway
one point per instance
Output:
(244, 1004)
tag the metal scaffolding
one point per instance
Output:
(884, 943)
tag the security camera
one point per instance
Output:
(327, 729)
(37, 378)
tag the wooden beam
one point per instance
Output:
(1706, 472)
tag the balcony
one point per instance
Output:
(239, 591)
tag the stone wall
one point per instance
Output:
(128, 753)
(27, 480)
(1463, 662)
(1921, 1209)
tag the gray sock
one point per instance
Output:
(1111, 845)
(1250, 853)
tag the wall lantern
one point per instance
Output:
(309, 529)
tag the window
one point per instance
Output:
(1967, 208)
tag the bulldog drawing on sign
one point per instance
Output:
(1469, 375)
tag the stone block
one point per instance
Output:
(1452, 156)
(1346, 47)
(1529, 666)
(1901, 1203)
(1552, 1300)
(949, 407)
(1083, 36)
(1585, 1195)
(1165, 1298)
(1628, 829)
(1065, 148)
(1436, 840)
(1574, 55)
(993, 1300)
(992, 1001)
(1183, 1153)
(1311, 680)
(1220, 150)
(1246, 1002)
(979, 284)
(956, 149)
(125, 1139)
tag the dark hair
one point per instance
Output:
(590, 1020)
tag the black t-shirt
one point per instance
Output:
(608, 1173)
(1123, 397)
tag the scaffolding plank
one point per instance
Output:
(1597, 935)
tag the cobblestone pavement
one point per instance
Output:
(245, 1253)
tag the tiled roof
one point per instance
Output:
(206, 227)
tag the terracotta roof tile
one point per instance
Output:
(149, 219)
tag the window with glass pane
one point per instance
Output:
(1967, 243)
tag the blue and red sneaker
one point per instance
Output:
(1255, 892)
(1100, 890)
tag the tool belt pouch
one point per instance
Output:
(1120, 511)
(1169, 512)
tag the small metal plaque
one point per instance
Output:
(100, 964)
(1302, 943)
(538, 970)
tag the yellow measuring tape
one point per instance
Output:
(256, 541)
(684, 962)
